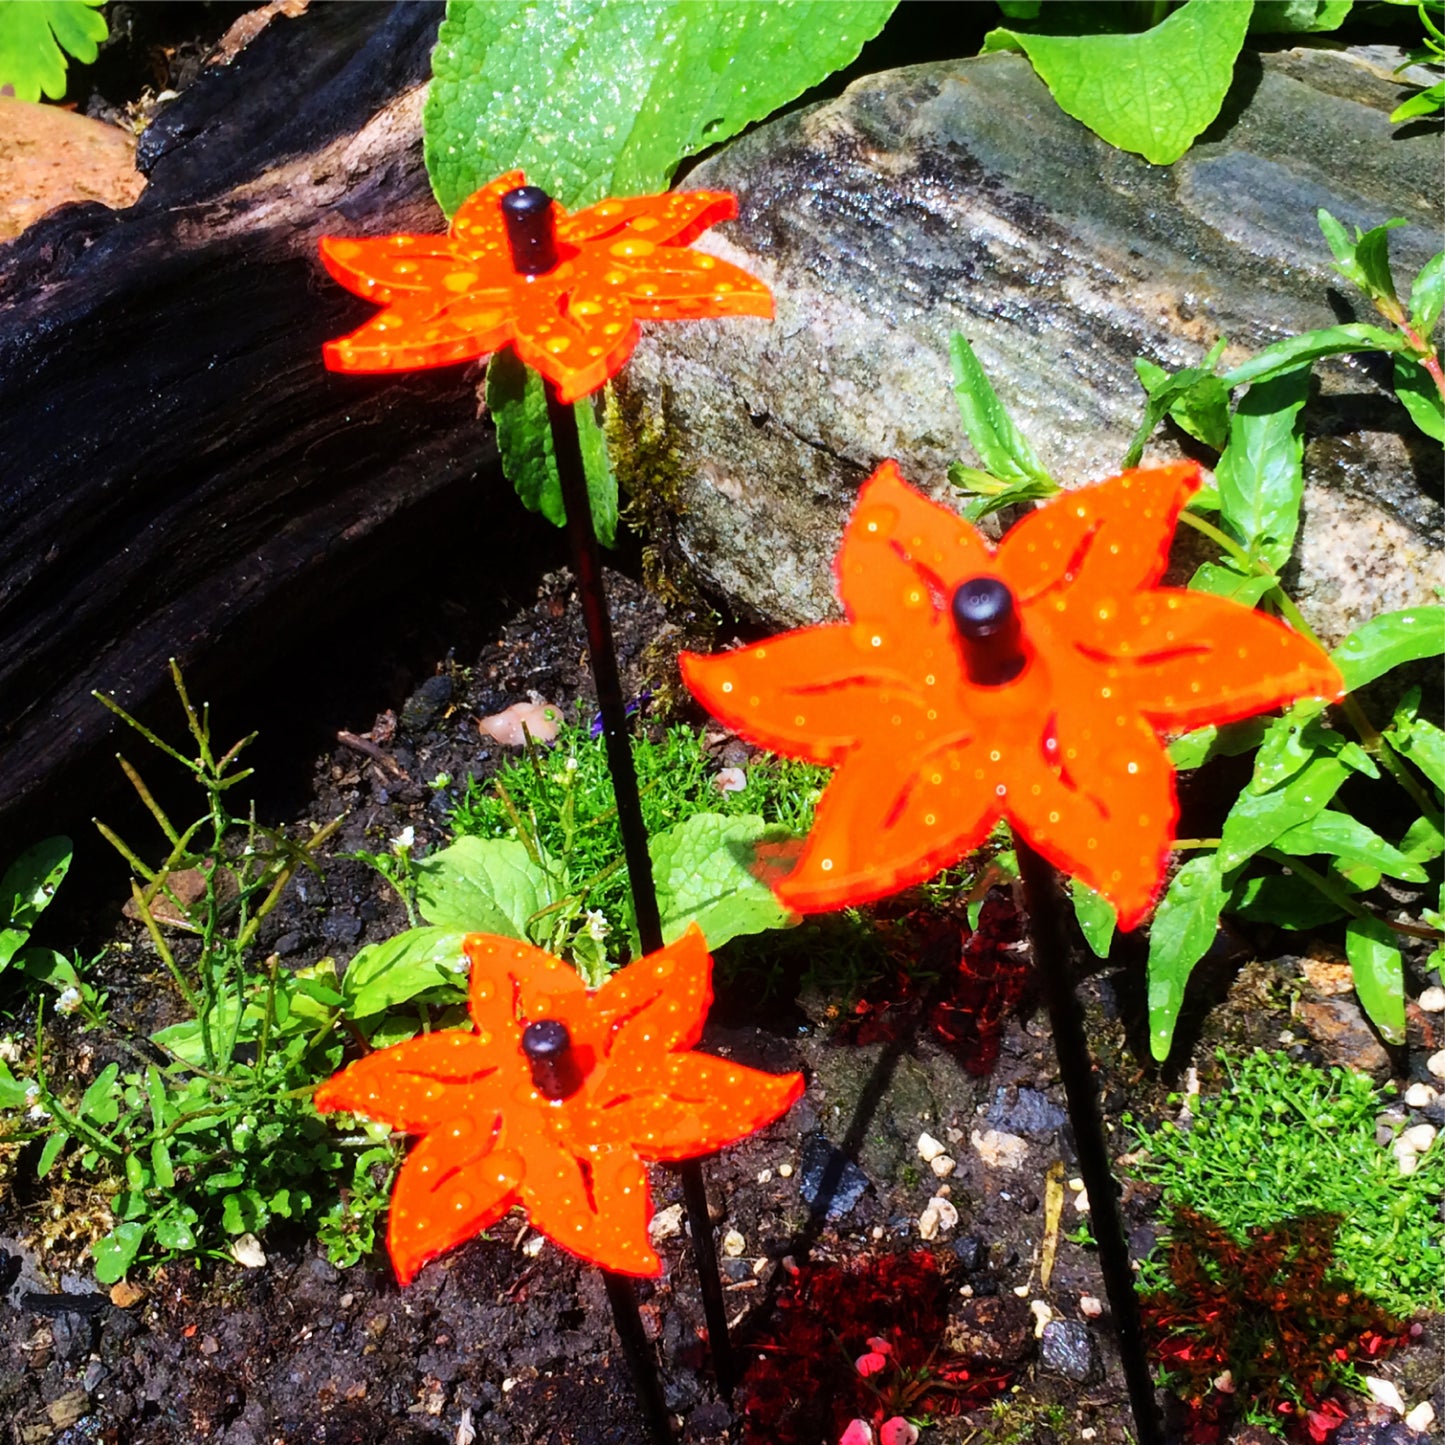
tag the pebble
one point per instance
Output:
(733, 1244)
(1029, 1112)
(247, 1252)
(1422, 1417)
(943, 1165)
(824, 1166)
(764, 1175)
(666, 1223)
(1069, 1349)
(939, 1216)
(1384, 1392)
(1421, 1096)
(1090, 1306)
(1433, 1000)
(1000, 1151)
(533, 1247)
(785, 1171)
(929, 1148)
(1419, 1137)
(1042, 1314)
(1436, 1064)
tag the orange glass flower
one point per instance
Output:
(1067, 750)
(634, 1091)
(458, 296)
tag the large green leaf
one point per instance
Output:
(1261, 473)
(1418, 394)
(1151, 92)
(1257, 819)
(1292, 351)
(1387, 641)
(385, 975)
(482, 885)
(703, 871)
(1379, 973)
(604, 97)
(34, 34)
(1182, 929)
(1346, 838)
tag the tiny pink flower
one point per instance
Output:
(881, 1346)
(898, 1431)
(859, 1432)
(870, 1363)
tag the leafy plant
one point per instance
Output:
(537, 857)
(220, 1137)
(1295, 1244)
(635, 89)
(36, 35)
(1284, 815)
(1429, 100)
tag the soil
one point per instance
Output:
(505, 1341)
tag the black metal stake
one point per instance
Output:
(994, 651)
(527, 212)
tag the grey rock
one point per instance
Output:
(958, 197)
(830, 1182)
(1069, 1349)
(1026, 1112)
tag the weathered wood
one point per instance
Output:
(178, 473)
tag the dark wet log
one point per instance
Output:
(180, 474)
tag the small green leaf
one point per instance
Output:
(1387, 641)
(1346, 838)
(1284, 356)
(1226, 740)
(1419, 395)
(99, 1104)
(383, 976)
(594, 98)
(1257, 819)
(162, 1168)
(1427, 295)
(33, 36)
(1222, 580)
(1423, 744)
(1151, 92)
(1001, 447)
(1180, 934)
(1292, 17)
(116, 1252)
(51, 1152)
(482, 885)
(1379, 973)
(1423, 841)
(13, 1091)
(1097, 918)
(1423, 102)
(174, 1233)
(601, 483)
(244, 1212)
(1341, 248)
(1289, 742)
(26, 889)
(1261, 473)
(701, 867)
(1195, 398)
(1372, 258)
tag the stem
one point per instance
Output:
(1277, 594)
(622, 1296)
(1343, 900)
(1048, 931)
(588, 563)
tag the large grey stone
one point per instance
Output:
(958, 197)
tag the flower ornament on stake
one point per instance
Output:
(555, 1098)
(567, 292)
(1028, 682)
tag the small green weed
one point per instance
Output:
(1017, 1420)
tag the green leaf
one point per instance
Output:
(1387, 641)
(1257, 819)
(1183, 927)
(701, 867)
(1222, 580)
(1001, 447)
(99, 1104)
(1423, 102)
(26, 889)
(1423, 841)
(384, 975)
(594, 98)
(51, 1152)
(1372, 257)
(1346, 838)
(174, 1233)
(1427, 295)
(1284, 17)
(244, 1212)
(1261, 473)
(13, 1091)
(1419, 740)
(1226, 740)
(33, 36)
(1419, 395)
(116, 1252)
(601, 483)
(1341, 247)
(1285, 901)
(164, 1171)
(1284, 356)
(1097, 918)
(1152, 92)
(482, 885)
(1379, 974)
(1195, 398)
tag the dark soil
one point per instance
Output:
(506, 1341)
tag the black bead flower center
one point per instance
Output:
(988, 626)
(548, 1047)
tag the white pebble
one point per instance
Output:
(1433, 1000)
(929, 1148)
(247, 1252)
(733, 1244)
(1077, 1185)
(785, 1171)
(939, 1215)
(1405, 1157)
(1383, 1392)
(666, 1223)
(1421, 1418)
(1088, 1433)
(1436, 1064)
(1419, 1137)
(1090, 1306)
(1021, 1290)
(533, 1247)
(1420, 1096)
(730, 780)
(764, 1175)
(1042, 1314)
(943, 1165)
(1081, 1202)
(1000, 1150)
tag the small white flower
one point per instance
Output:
(571, 764)
(68, 1001)
(597, 925)
(33, 1111)
(404, 840)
